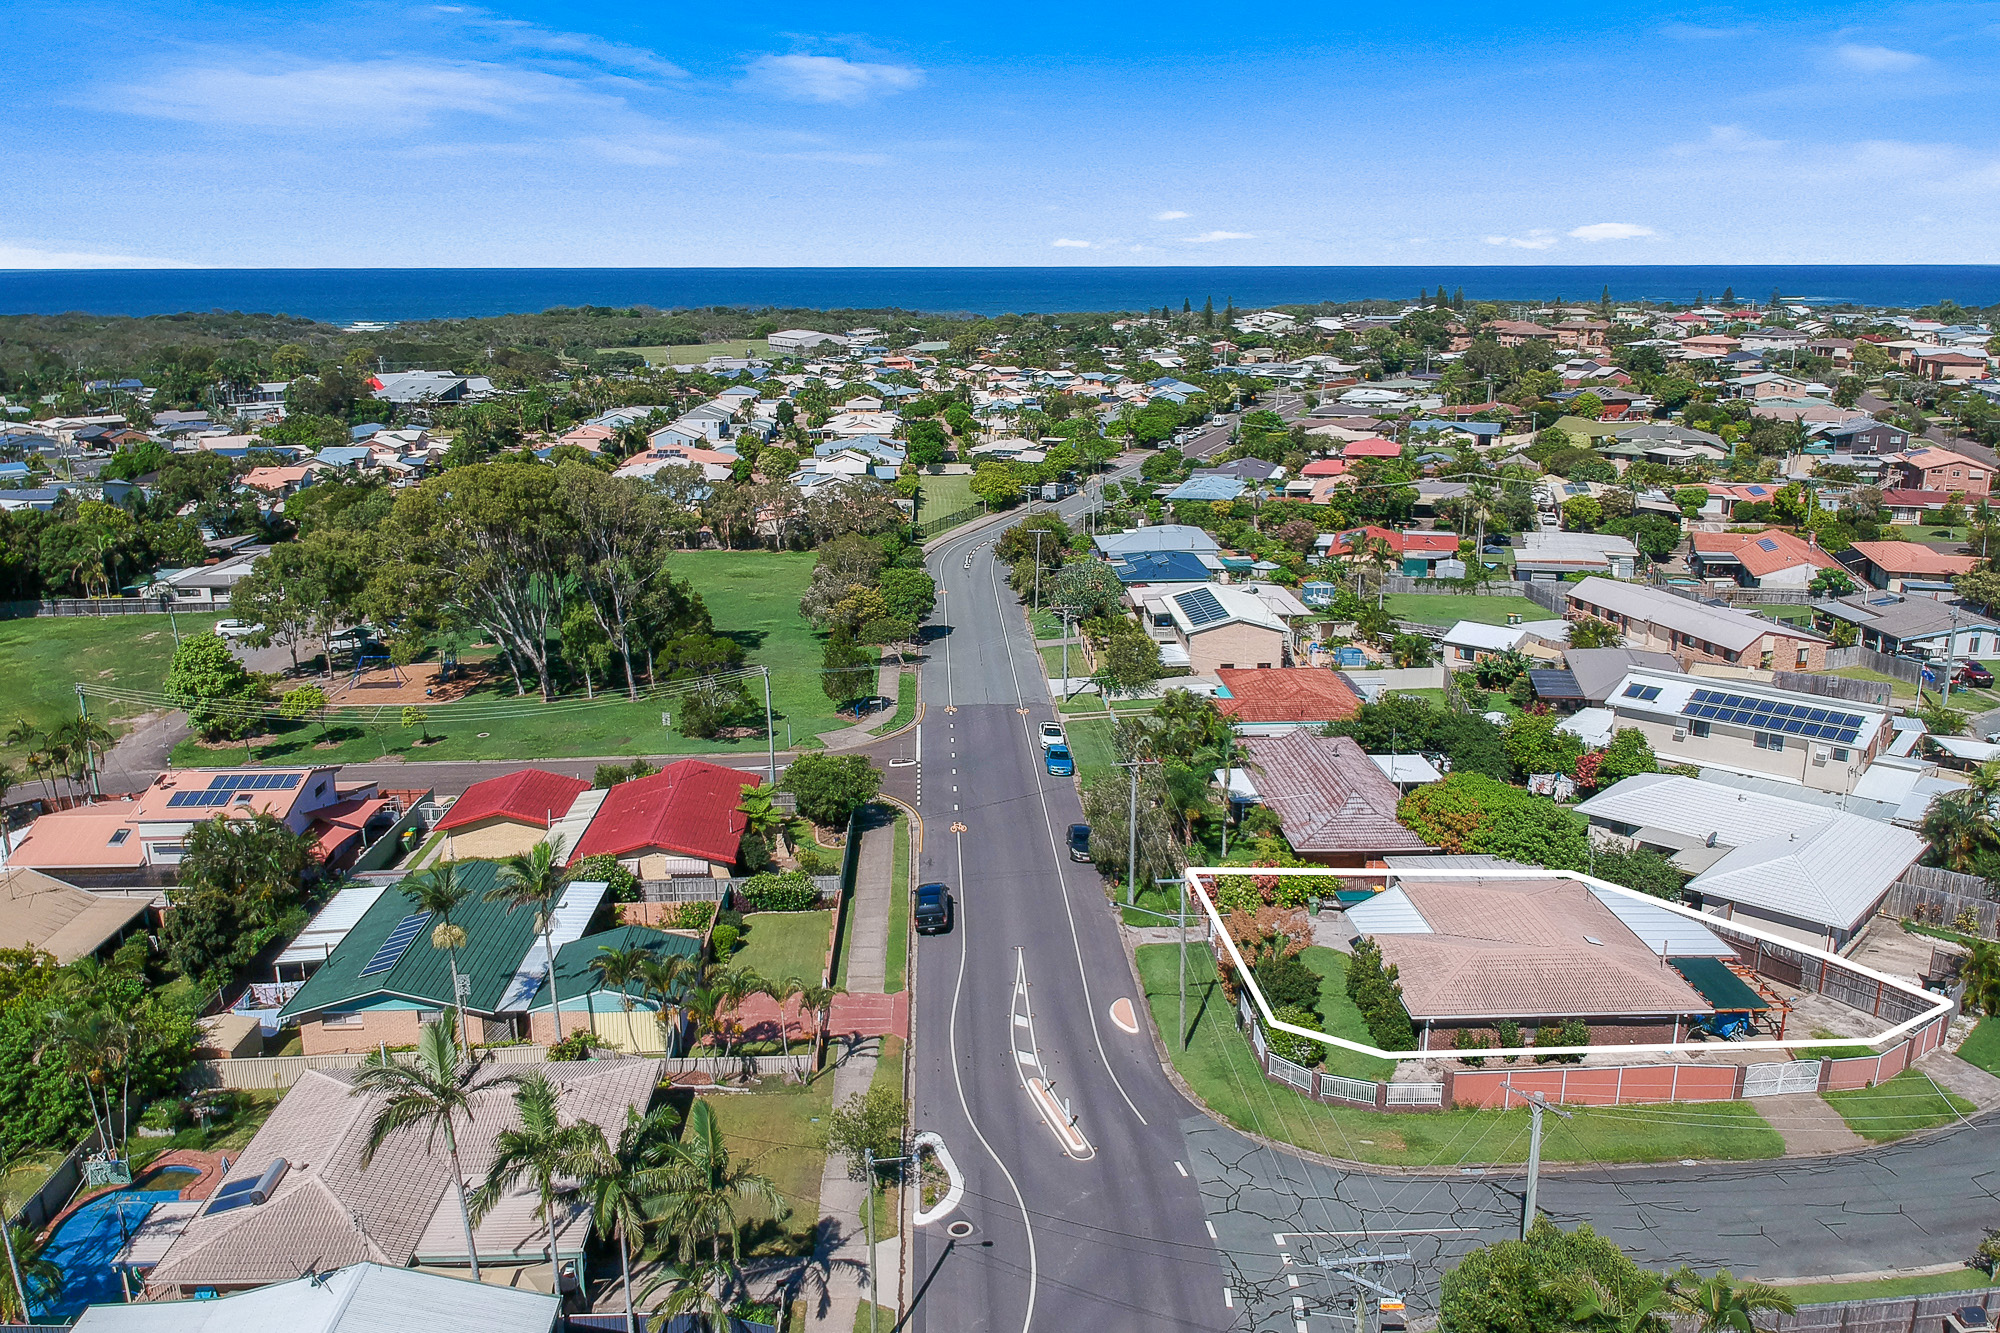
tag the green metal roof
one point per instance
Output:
(1723, 989)
(575, 977)
(495, 942)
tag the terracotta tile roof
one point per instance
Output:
(1285, 694)
(1905, 498)
(529, 797)
(1328, 795)
(1766, 552)
(1323, 467)
(1374, 447)
(1527, 949)
(687, 807)
(1901, 558)
(329, 1210)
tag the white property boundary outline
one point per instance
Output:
(1195, 876)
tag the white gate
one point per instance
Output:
(1773, 1079)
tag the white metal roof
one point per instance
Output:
(1718, 625)
(572, 915)
(1389, 912)
(1476, 634)
(362, 1298)
(1593, 726)
(571, 825)
(1963, 747)
(330, 926)
(1694, 809)
(1667, 934)
(1832, 875)
(1407, 768)
(1671, 692)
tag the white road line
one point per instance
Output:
(957, 990)
(1228, 1299)
(1211, 1229)
(1292, 1279)
(1178, 1167)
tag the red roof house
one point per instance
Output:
(507, 815)
(682, 820)
(1324, 467)
(1285, 695)
(1373, 447)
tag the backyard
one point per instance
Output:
(778, 1129)
(1222, 1070)
(754, 599)
(777, 945)
(1426, 609)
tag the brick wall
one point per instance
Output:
(383, 1027)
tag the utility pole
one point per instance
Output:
(1065, 646)
(1340, 1267)
(1536, 1105)
(1039, 534)
(770, 736)
(1132, 829)
(873, 1162)
(89, 750)
(1183, 979)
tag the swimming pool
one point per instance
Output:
(90, 1238)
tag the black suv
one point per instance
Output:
(1079, 842)
(934, 909)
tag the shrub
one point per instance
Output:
(1468, 1040)
(723, 942)
(792, 891)
(1507, 1033)
(1375, 993)
(813, 861)
(604, 866)
(577, 1046)
(1299, 1050)
(1288, 983)
(1548, 1034)
(692, 916)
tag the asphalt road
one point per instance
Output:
(1111, 1236)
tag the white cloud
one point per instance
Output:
(580, 46)
(1065, 243)
(1538, 239)
(1611, 231)
(1170, 215)
(1208, 236)
(369, 94)
(33, 256)
(831, 79)
(1727, 139)
(1875, 59)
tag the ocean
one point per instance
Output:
(344, 296)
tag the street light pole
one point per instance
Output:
(770, 736)
(873, 1162)
(1132, 829)
(1039, 534)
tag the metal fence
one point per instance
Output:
(931, 527)
(62, 1182)
(1337, 1088)
(1416, 1094)
(1286, 1072)
(695, 889)
(1551, 597)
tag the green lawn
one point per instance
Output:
(1223, 1072)
(1046, 625)
(1094, 703)
(785, 944)
(1430, 610)
(1982, 1048)
(1925, 1284)
(695, 353)
(42, 658)
(1341, 1018)
(895, 964)
(754, 599)
(1902, 1105)
(1090, 744)
(946, 493)
(1052, 662)
(906, 705)
(780, 1129)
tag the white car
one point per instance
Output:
(236, 629)
(1052, 734)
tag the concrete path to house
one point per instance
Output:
(1810, 1126)
(887, 683)
(864, 1007)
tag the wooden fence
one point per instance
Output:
(46, 1202)
(1874, 692)
(1897, 1314)
(1920, 902)
(1910, 673)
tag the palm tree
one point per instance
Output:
(542, 1149)
(9, 775)
(1981, 973)
(432, 1092)
(1958, 827)
(1595, 1308)
(1376, 554)
(440, 892)
(702, 1289)
(85, 738)
(536, 879)
(620, 968)
(1220, 756)
(671, 978)
(784, 992)
(31, 1278)
(819, 1000)
(701, 1189)
(732, 986)
(621, 1179)
(1721, 1304)
(763, 818)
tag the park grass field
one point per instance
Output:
(946, 494)
(753, 597)
(42, 658)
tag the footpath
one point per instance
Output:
(841, 1199)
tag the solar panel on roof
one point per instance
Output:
(181, 798)
(1650, 693)
(1766, 544)
(399, 941)
(1200, 606)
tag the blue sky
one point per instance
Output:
(371, 134)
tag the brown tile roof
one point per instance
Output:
(1523, 949)
(1913, 558)
(330, 1210)
(1285, 694)
(1764, 553)
(1328, 795)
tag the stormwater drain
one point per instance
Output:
(959, 1230)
